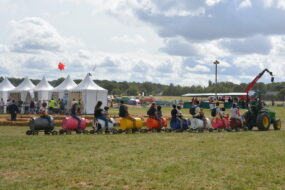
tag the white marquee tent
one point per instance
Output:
(62, 91)
(25, 91)
(5, 88)
(90, 93)
(65, 86)
(43, 90)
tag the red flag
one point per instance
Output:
(61, 66)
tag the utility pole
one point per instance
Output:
(216, 63)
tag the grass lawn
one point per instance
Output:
(244, 160)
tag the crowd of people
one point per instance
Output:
(58, 106)
(155, 111)
(224, 99)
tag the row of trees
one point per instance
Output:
(135, 88)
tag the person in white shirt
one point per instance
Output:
(235, 112)
(73, 102)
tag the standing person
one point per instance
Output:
(51, 105)
(98, 113)
(74, 113)
(20, 105)
(32, 107)
(124, 113)
(174, 114)
(2, 104)
(79, 106)
(13, 110)
(62, 107)
(39, 105)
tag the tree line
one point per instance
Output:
(149, 88)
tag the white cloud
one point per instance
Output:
(136, 39)
(35, 34)
(255, 44)
(3, 48)
(199, 68)
(245, 4)
(212, 2)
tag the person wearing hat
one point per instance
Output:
(98, 113)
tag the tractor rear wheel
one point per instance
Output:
(277, 124)
(263, 122)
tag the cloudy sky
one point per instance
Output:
(161, 41)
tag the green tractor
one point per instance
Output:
(261, 117)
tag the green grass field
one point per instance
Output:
(244, 160)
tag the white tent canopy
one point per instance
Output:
(5, 87)
(91, 93)
(25, 88)
(65, 87)
(43, 90)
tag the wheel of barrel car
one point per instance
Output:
(229, 129)
(200, 131)
(115, 131)
(191, 130)
(263, 122)
(250, 127)
(211, 130)
(47, 132)
(78, 131)
(28, 132)
(54, 133)
(133, 131)
(120, 131)
(277, 124)
(179, 131)
(107, 132)
(61, 131)
(85, 132)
